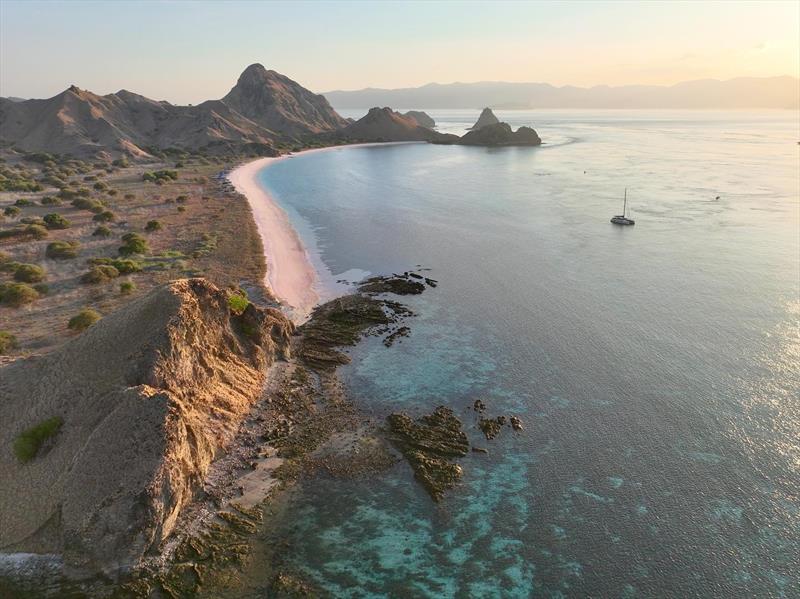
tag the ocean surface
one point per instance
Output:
(656, 368)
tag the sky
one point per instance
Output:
(189, 51)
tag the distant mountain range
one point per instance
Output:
(746, 92)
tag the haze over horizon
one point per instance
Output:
(194, 51)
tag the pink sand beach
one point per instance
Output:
(290, 274)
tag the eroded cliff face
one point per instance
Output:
(148, 397)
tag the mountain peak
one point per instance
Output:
(487, 118)
(255, 72)
(280, 104)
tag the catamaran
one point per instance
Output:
(622, 219)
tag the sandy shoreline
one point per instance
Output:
(290, 273)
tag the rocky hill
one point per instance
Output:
(500, 134)
(486, 118)
(423, 119)
(105, 440)
(384, 124)
(281, 105)
(264, 107)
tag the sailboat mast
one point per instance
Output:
(625, 202)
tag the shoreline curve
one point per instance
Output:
(291, 276)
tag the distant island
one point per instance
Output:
(490, 132)
(744, 92)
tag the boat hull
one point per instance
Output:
(621, 220)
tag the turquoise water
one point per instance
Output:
(656, 368)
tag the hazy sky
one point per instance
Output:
(188, 51)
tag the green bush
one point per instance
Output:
(4, 257)
(35, 232)
(51, 201)
(102, 231)
(22, 202)
(120, 162)
(83, 319)
(106, 216)
(7, 342)
(41, 157)
(100, 185)
(126, 287)
(11, 211)
(55, 221)
(182, 199)
(124, 266)
(134, 244)
(181, 208)
(9, 266)
(88, 204)
(30, 441)
(42, 288)
(100, 274)
(17, 294)
(62, 250)
(29, 273)
(238, 301)
(161, 176)
(153, 225)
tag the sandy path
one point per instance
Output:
(290, 274)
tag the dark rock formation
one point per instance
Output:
(501, 134)
(405, 284)
(384, 124)
(430, 444)
(423, 119)
(487, 118)
(491, 426)
(339, 323)
(343, 321)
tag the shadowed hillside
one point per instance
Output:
(263, 108)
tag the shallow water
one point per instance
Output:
(656, 368)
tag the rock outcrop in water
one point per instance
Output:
(486, 118)
(343, 321)
(146, 398)
(501, 134)
(430, 444)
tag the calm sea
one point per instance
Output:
(656, 368)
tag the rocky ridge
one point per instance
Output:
(384, 124)
(422, 118)
(147, 398)
(263, 108)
